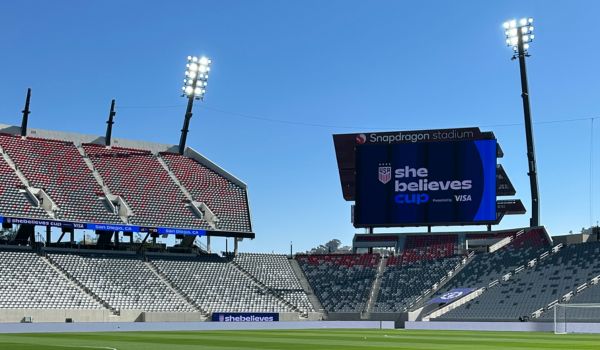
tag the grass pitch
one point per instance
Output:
(299, 339)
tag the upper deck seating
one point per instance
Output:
(226, 199)
(12, 201)
(58, 169)
(138, 177)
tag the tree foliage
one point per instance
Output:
(332, 246)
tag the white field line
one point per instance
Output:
(89, 347)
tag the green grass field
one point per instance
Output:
(300, 339)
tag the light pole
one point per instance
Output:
(518, 36)
(194, 88)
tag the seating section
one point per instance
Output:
(342, 282)
(533, 288)
(217, 285)
(57, 168)
(138, 177)
(487, 267)
(28, 282)
(275, 272)
(402, 284)
(226, 199)
(123, 282)
(429, 247)
(12, 201)
(580, 313)
(530, 238)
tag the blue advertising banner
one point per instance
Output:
(181, 231)
(425, 183)
(113, 227)
(451, 296)
(102, 227)
(244, 317)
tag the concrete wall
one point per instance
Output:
(503, 326)
(343, 316)
(59, 316)
(54, 315)
(171, 317)
(183, 326)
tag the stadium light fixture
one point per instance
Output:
(519, 30)
(519, 35)
(194, 88)
(196, 77)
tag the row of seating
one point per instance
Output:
(216, 285)
(13, 201)
(58, 168)
(125, 282)
(429, 247)
(342, 282)
(226, 199)
(275, 272)
(535, 287)
(488, 267)
(30, 283)
(122, 282)
(402, 284)
(138, 177)
(584, 306)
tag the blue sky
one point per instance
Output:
(288, 74)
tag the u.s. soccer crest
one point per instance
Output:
(385, 173)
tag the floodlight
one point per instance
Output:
(196, 77)
(519, 29)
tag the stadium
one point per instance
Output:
(114, 243)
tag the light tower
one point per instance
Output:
(194, 88)
(519, 34)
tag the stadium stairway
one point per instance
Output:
(306, 286)
(176, 290)
(266, 289)
(48, 260)
(375, 289)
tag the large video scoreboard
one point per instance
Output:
(424, 178)
(425, 183)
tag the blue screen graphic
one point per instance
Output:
(427, 183)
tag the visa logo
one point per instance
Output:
(463, 198)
